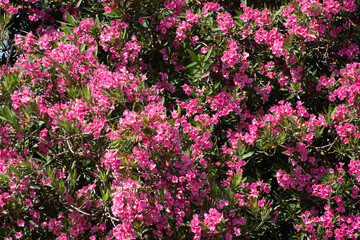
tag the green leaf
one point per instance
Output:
(61, 185)
(205, 75)
(8, 116)
(249, 154)
(208, 54)
(277, 13)
(78, 3)
(82, 47)
(245, 2)
(238, 179)
(216, 86)
(70, 19)
(191, 65)
(291, 96)
(19, 67)
(104, 194)
(239, 150)
(194, 57)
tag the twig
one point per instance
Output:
(57, 155)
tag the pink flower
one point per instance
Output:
(230, 57)
(12, 10)
(210, 6)
(322, 191)
(187, 89)
(20, 223)
(195, 226)
(107, 9)
(225, 22)
(63, 236)
(192, 18)
(213, 218)
(228, 236)
(349, 5)
(18, 235)
(354, 192)
(22, 97)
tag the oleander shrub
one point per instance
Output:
(180, 119)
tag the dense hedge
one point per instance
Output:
(179, 119)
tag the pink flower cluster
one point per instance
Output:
(199, 129)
